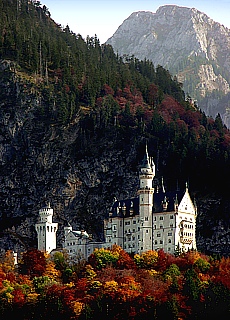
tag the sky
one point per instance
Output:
(103, 17)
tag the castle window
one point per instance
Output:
(161, 241)
(161, 218)
(146, 218)
(158, 235)
(171, 217)
(170, 241)
(134, 221)
(161, 227)
(54, 229)
(155, 218)
(171, 225)
(147, 231)
(169, 233)
(155, 241)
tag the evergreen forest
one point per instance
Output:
(76, 79)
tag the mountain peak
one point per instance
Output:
(184, 40)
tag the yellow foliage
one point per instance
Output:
(78, 307)
(90, 273)
(147, 259)
(7, 264)
(110, 287)
(70, 285)
(152, 272)
(51, 271)
(192, 256)
(32, 297)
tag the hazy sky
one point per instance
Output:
(103, 17)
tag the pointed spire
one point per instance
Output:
(162, 183)
(145, 162)
(176, 204)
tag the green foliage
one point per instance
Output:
(40, 283)
(104, 257)
(202, 265)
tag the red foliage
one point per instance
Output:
(169, 108)
(19, 297)
(226, 141)
(192, 118)
(108, 90)
(125, 261)
(33, 263)
(222, 274)
(11, 276)
(153, 94)
(81, 288)
(148, 115)
(163, 261)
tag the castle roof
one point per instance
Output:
(169, 198)
(130, 207)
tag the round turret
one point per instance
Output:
(46, 214)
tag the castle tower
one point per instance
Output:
(145, 192)
(46, 230)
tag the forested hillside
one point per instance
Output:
(75, 119)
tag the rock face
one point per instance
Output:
(186, 42)
(40, 162)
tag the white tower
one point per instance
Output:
(46, 230)
(146, 191)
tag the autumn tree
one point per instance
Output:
(33, 263)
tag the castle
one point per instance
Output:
(153, 220)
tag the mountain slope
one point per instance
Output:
(186, 42)
(74, 125)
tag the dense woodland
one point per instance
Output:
(74, 79)
(75, 85)
(112, 285)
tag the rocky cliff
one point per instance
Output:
(186, 42)
(42, 162)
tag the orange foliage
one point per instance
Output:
(223, 273)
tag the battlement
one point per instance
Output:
(47, 211)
